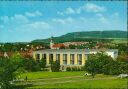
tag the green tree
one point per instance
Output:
(96, 62)
(31, 65)
(8, 72)
(42, 63)
(55, 66)
(111, 68)
(90, 66)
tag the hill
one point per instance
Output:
(87, 36)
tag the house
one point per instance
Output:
(58, 46)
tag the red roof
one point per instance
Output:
(58, 45)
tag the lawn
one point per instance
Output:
(45, 75)
(70, 80)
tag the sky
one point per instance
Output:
(24, 21)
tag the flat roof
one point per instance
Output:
(75, 50)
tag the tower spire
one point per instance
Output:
(51, 42)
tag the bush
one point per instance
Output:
(55, 66)
(78, 69)
(42, 63)
(68, 69)
(74, 68)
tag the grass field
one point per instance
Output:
(70, 80)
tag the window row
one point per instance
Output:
(64, 58)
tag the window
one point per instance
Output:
(51, 57)
(79, 58)
(72, 59)
(65, 59)
(86, 56)
(37, 56)
(44, 56)
(58, 57)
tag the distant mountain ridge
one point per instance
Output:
(88, 34)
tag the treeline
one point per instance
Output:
(12, 47)
(73, 39)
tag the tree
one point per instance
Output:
(91, 67)
(111, 68)
(42, 63)
(31, 65)
(101, 63)
(55, 66)
(8, 72)
(96, 62)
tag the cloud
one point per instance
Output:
(60, 13)
(33, 14)
(59, 21)
(102, 18)
(14, 20)
(89, 7)
(116, 14)
(68, 11)
(64, 21)
(19, 19)
(99, 14)
(39, 25)
(5, 19)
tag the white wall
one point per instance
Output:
(113, 53)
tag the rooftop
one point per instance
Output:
(75, 50)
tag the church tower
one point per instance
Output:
(51, 43)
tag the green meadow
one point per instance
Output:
(36, 80)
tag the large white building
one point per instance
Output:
(70, 57)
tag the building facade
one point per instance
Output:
(69, 57)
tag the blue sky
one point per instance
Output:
(26, 21)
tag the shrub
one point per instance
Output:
(78, 69)
(74, 68)
(68, 69)
(55, 66)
